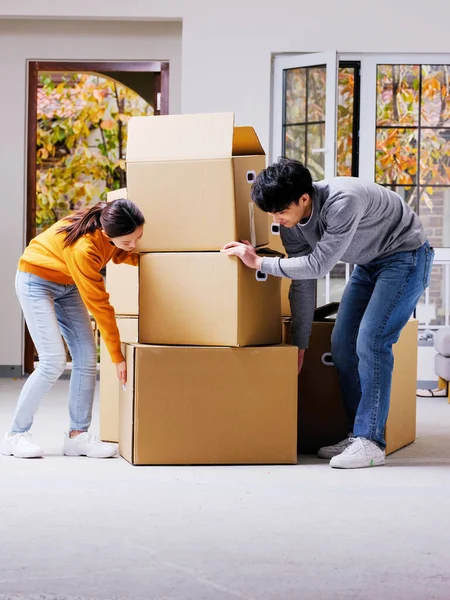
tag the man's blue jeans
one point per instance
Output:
(377, 302)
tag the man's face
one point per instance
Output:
(294, 213)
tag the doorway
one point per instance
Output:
(148, 80)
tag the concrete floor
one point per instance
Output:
(75, 528)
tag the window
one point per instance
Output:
(304, 118)
(413, 153)
(413, 140)
(385, 118)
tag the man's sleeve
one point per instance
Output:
(302, 293)
(342, 220)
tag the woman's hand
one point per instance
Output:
(121, 370)
(246, 253)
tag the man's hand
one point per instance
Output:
(301, 356)
(245, 251)
(121, 370)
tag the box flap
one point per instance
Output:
(180, 137)
(246, 142)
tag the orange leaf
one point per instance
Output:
(108, 124)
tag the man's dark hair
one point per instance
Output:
(281, 184)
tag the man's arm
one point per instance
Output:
(302, 293)
(342, 220)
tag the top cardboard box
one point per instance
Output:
(191, 176)
(122, 193)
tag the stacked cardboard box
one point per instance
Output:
(208, 380)
(321, 417)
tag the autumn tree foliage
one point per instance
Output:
(81, 141)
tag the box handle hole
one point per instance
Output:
(260, 276)
(250, 176)
(327, 359)
(275, 229)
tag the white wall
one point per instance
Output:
(46, 40)
(226, 58)
(227, 45)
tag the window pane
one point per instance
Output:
(434, 210)
(346, 98)
(317, 81)
(315, 161)
(295, 142)
(295, 107)
(398, 94)
(396, 156)
(435, 156)
(433, 313)
(435, 110)
(337, 285)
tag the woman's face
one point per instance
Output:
(128, 242)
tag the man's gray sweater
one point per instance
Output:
(352, 221)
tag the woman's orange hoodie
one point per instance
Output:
(80, 264)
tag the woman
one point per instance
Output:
(57, 283)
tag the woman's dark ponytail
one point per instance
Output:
(117, 218)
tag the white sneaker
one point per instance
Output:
(361, 453)
(21, 445)
(330, 451)
(86, 444)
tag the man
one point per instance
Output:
(347, 219)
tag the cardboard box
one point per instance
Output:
(122, 285)
(206, 299)
(191, 177)
(194, 405)
(286, 330)
(401, 423)
(276, 244)
(110, 385)
(122, 281)
(321, 417)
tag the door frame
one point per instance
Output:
(33, 69)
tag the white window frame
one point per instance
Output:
(292, 61)
(368, 98)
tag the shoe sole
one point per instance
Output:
(87, 455)
(373, 463)
(23, 455)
